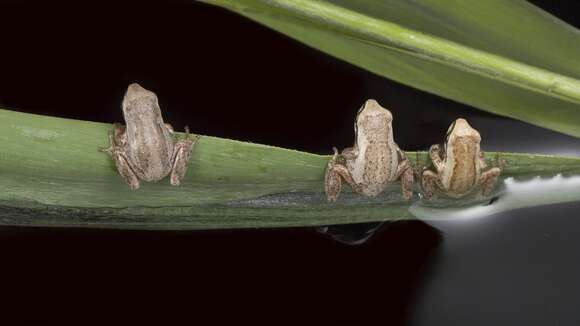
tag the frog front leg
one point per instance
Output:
(435, 155)
(181, 155)
(116, 149)
(332, 179)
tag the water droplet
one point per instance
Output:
(351, 234)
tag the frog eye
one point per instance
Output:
(356, 119)
(359, 111)
(451, 127)
(450, 130)
(449, 133)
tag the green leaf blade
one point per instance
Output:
(51, 174)
(56, 161)
(429, 45)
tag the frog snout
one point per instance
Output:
(134, 87)
(136, 92)
(373, 108)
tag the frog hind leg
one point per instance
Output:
(405, 174)
(181, 155)
(117, 140)
(429, 182)
(332, 180)
(124, 169)
(488, 179)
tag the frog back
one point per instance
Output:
(151, 152)
(374, 167)
(462, 171)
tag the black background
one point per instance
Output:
(225, 76)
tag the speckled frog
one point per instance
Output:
(145, 149)
(460, 165)
(374, 161)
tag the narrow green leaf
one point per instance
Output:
(505, 57)
(51, 174)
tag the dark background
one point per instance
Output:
(225, 76)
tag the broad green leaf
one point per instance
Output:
(505, 57)
(51, 174)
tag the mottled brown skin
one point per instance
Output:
(460, 166)
(144, 149)
(374, 161)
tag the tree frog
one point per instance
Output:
(145, 149)
(375, 159)
(460, 165)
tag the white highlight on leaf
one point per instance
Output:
(40, 134)
(535, 192)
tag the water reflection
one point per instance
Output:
(522, 259)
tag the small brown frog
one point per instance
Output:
(375, 159)
(145, 149)
(460, 165)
